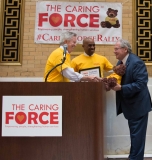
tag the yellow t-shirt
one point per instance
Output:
(83, 62)
(56, 58)
(111, 20)
(116, 76)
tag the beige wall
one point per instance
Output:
(35, 55)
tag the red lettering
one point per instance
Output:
(94, 18)
(44, 37)
(20, 117)
(40, 118)
(55, 19)
(99, 37)
(42, 19)
(79, 20)
(56, 38)
(32, 116)
(8, 117)
(69, 18)
(55, 8)
(53, 117)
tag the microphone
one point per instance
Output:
(65, 50)
(64, 58)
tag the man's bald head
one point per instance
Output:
(87, 40)
(88, 46)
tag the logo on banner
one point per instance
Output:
(111, 19)
(89, 19)
(32, 116)
(48, 114)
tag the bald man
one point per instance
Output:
(89, 59)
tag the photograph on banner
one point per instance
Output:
(31, 116)
(101, 21)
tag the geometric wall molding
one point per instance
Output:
(142, 30)
(12, 12)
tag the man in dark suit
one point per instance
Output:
(132, 97)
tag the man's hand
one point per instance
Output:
(120, 69)
(112, 82)
(91, 79)
(105, 81)
(117, 87)
(109, 83)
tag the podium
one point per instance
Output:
(82, 123)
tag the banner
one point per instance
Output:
(32, 116)
(101, 21)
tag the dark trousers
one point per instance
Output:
(138, 129)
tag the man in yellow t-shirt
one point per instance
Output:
(58, 66)
(54, 59)
(89, 59)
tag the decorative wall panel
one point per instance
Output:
(11, 32)
(142, 43)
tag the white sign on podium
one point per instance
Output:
(32, 116)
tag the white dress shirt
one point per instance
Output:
(70, 73)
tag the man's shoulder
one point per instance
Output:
(134, 59)
(77, 57)
(133, 56)
(56, 52)
(99, 56)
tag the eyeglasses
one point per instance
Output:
(118, 48)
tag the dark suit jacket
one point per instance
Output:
(134, 99)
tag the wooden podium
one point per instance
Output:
(82, 123)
